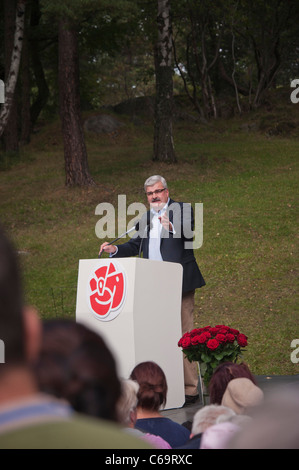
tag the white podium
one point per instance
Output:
(135, 305)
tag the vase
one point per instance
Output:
(203, 387)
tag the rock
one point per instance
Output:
(102, 124)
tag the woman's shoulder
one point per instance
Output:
(165, 422)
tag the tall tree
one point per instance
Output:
(163, 131)
(35, 50)
(75, 153)
(12, 76)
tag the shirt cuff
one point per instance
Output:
(112, 254)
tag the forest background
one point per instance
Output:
(102, 94)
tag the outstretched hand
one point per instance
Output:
(107, 248)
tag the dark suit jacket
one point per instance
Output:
(173, 245)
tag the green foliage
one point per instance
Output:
(211, 346)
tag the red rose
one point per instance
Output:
(212, 344)
(230, 338)
(214, 331)
(203, 338)
(206, 328)
(242, 340)
(223, 330)
(195, 340)
(182, 338)
(186, 342)
(233, 331)
(221, 338)
(196, 331)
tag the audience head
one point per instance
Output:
(127, 412)
(19, 326)
(127, 404)
(241, 395)
(222, 375)
(11, 301)
(75, 364)
(208, 416)
(152, 382)
(218, 435)
(274, 424)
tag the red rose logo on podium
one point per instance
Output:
(107, 289)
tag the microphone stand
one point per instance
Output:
(141, 242)
(121, 236)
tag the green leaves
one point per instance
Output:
(211, 346)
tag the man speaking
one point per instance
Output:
(165, 233)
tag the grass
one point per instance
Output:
(247, 182)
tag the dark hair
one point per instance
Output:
(222, 375)
(75, 364)
(11, 302)
(152, 385)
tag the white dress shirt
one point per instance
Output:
(155, 234)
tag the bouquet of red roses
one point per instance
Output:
(212, 345)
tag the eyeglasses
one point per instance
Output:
(152, 193)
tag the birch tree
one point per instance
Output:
(14, 65)
(163, 132)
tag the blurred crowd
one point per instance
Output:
(59, 388)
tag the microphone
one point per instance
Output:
(135, 227)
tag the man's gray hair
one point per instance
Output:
(153, 180)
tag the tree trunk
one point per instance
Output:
(25, 126)
(37, 67)
(163, 133)
(12, 76)
(75, 153)
(268, 62)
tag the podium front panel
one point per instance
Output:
(135, 305)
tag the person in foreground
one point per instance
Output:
(76, 365)
(203, 419)
(274, 424)
(152, 396)
(242, 396)
(166, 234)
(222, 375)
(29, 419)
